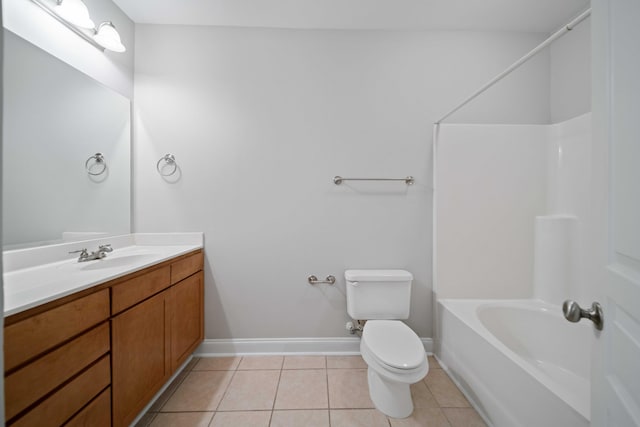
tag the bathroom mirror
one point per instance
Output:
(55, 119)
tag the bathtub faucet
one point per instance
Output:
(573, 313)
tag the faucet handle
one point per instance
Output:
(83, 252)
(105, 248)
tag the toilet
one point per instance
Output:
(394, 354)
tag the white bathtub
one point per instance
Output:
(520, 361)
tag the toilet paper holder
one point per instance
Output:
(313, 280)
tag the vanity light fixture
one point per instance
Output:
(107, 36)
(75, 12)
(75, 16)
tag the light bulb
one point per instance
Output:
(107, 36)
(75, 12)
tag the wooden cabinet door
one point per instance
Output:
(187, 318)
(140, 346)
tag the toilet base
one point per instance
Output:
(390, 397)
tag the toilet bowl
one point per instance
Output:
(396, 359)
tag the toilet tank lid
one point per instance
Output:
(377, 275)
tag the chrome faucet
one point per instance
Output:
(99, 254)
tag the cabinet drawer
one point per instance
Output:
(32, 336)
(95, 414)
(186, 267)
(133, 291)
(61, 405)
(37, 379)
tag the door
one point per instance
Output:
(615, 390)
(140, 356)
(187, 318)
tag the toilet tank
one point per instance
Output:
(378, 294)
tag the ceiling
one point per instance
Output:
(476, 15)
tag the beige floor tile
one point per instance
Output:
(251, 390)
(348, 388)
(241, 419)
(304, 362)
(444, 390)
(217, 364)
(307, 418)
(422, 397)
(200, 391)
(302, 389)
(358, 418)
(166, 395)
(463, 417)
(182, 419)
(421, 417)
(345, 362)
(261, 362)
(433, 363)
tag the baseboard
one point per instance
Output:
(286, 346)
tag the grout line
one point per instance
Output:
(212, 417)
(227, 388)
(326, 375)
(275, 397)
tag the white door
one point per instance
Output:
(615, 393)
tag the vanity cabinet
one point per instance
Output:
(141, 365)
(152, 338)
(98, 357)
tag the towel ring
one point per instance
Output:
(99, 159)
(169, 159)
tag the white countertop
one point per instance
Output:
(39, 275)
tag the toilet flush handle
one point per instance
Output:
(354, 283)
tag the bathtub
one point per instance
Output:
(519, 361)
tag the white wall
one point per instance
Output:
(261, 120)
(570, 70)
(114, 70)
(491, 184)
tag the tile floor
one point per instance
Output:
(300, 391)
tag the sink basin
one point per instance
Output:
(120, 261)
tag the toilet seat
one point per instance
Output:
(393, 345)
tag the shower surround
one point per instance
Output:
(513, 209)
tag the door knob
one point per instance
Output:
(573, 313)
